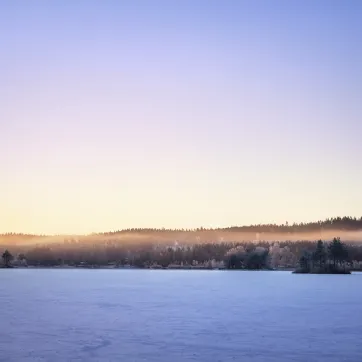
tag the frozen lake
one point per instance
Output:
(170, 316)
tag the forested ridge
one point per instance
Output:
(337, 223)
(231, 255)
(245, 247)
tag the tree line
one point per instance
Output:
(346, 223)
(339, 223)
(230, 255)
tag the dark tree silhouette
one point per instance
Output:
(304, 263)
(320, 255)
(7, 258)
(338, 252)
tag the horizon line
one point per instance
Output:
(200, 228)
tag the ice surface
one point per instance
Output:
(171, 316)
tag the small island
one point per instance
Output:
(326, 259)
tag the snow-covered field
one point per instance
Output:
(170, 316)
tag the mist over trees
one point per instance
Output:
(345, 223)
(246, 247)
(229, 255)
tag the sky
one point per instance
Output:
(121, 114)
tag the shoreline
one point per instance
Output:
(136, 268)
(291, 270)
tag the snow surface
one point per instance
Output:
(161, 316)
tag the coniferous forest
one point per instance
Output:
(247, 247)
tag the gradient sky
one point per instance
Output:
(117, 114)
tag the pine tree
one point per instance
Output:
(337, 251)
(320, 254)
(7, 258)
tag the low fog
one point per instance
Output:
(182, 237)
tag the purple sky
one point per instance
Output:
(117, 114)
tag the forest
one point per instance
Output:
(221, 255)
(337, 223)
(346, 223)
(267, 246)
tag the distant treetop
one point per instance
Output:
(346, 223)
